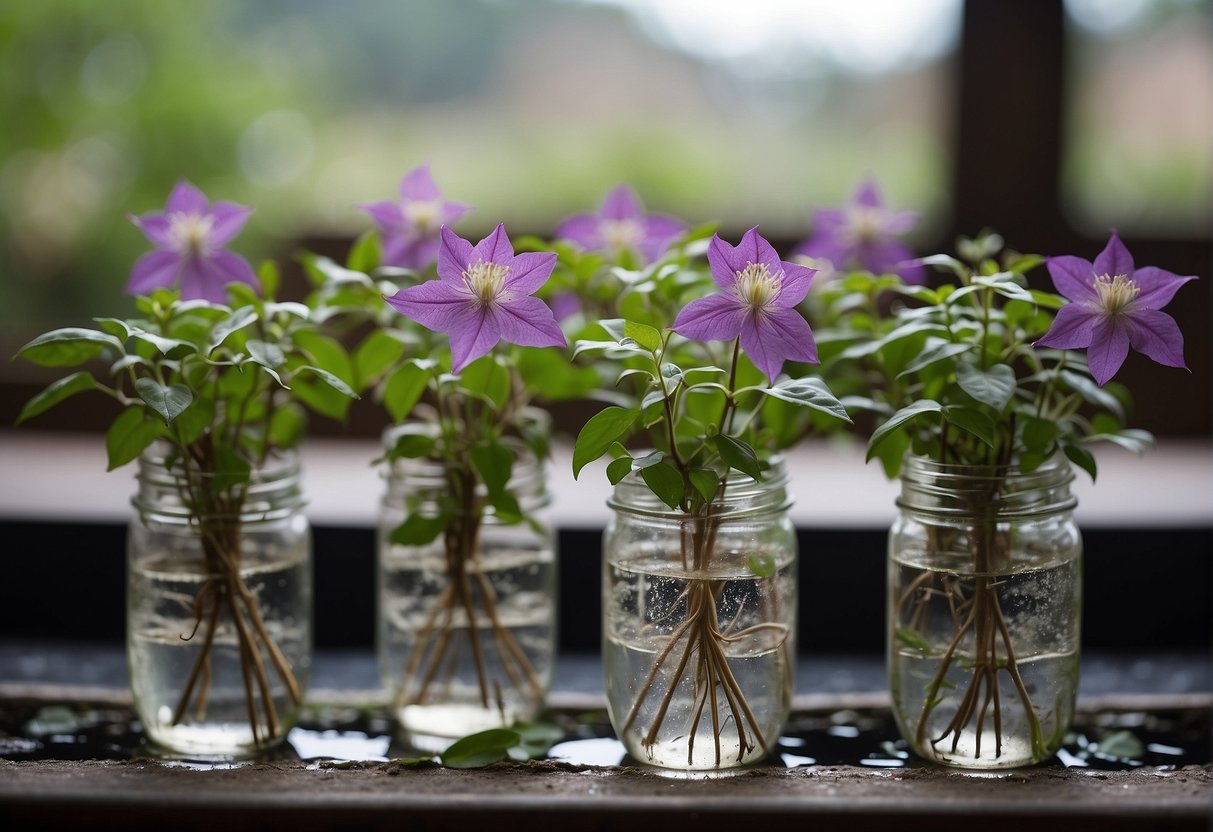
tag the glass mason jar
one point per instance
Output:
(984, 602)
(699, 623)
(219, 607)
(465, 623)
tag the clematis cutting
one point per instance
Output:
(482, 296)
(190, 234)
(622, 226)
(757, 303)
(409, 226)
(1114, 306)
(862, 235)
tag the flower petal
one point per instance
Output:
(1114, 259)
(185, 199)
(714, 318)
(418, 252)
(621, 204)
(455, 254)
(774, 336)
(1109, 346)
(1073, 276)
(795, 285)
(201, 280)
(452, 211)
(720, 258)
(582, 229)
(227, 267)
(1157, 286)
(435, 304)
(883, 256)
(155, 226)
(418, 185)
(659, 232)
(825, 246)
(900, 222)
(868, 194)
(153, 270)
(529, 271)
(1156, 334)
(229, 218)
(388, 215)
(474, 332)
(911, 271)
(495, 248)
(528, 322)
(1072, 329)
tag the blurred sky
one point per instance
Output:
(532, 109)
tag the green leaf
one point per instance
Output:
(494, 463)
(412, 445)
(940, 352)
(808, 392)
(62, 389)
(321, 270)
(68, 347)
(239, 320)
(994, 386)
(946, 262)
(269, 277)
(973, 421)
(365, 253)
(287, 425)
(1120, 745)
(1024, 263)
(482, 749)
(170, 402)
(706, 482)
(761, 565)
(553, 377)
(912, 638)
(643, 334)
(1004, 284)
(603, 428)
(418, 530)
(1081, 457)
(487, 378)
(1135, 441)
(329, 379)
(901, 417)
(128, 436)
(1038, 434)
(266, 354)
(171, 347)
(1086, 387)
(891, 452)
(374, 356)
(618, 469)
(739, 455)
(327, 354)
(666, 482)
(404, 387)
(230, 468)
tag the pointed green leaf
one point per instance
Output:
(68, 347)
(266, 354)
(364, 254)
(618, 469)
(994, 386)
(327, 354)
(600, 431)
(375, 356)
(418, 530)
(494, 463)
(761, 565)
(1081, 457)
(404, 387)
(231, 468)
(973, 421)
(58, 391)
(739, 455)
(329, 379)
(643, 334)
(705, 481)
(666, 482)
(239, 320)
(941, 351)
(169, 401)
(482, 749)
(808, 392)
(128, 436)
(901, 417)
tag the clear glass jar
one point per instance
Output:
(699, 623)
(465, 623)
(219, 607)
(984, 600)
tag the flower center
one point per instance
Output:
(620, 235)
(485, 280)
(190, 233)
(425, 215)
(865, 223)
(1115, 292)
(756, 286)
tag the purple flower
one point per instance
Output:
(1114, 306)
(482, 296)
(410, 225)
(189, 235)
(622, 226)
(861, 235)
(757, 303)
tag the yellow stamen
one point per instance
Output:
(1115, 292)
(620, 235)
(485, 280)
(190, 232)
(864, 223)
(756, 286)
(425, 215)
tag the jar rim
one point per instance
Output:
(958, 489)
(632, 495)
(272, 488)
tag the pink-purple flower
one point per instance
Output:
(622, 226)
(1114, 306)
(409, 226)
(190, 235)
(863, 235)
(757, 303)
(482, 296)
